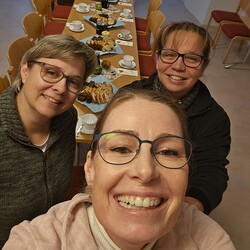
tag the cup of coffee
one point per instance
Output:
(128, 60)
(83, 7)
(126, 13)
(76, 24)
(125, 34)
(89, 121)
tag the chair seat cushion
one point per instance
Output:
(232, 30)
(61, 11)
(51, 28)
(141, 24)
(220, 15)
(147, 65)
(143, 42)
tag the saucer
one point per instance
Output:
(130, 16)
(75, 30)
(87, 131)
(82, 11)
(125, 66)
(125, 39)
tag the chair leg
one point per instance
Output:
(208, 24)
(228, 50)
(217, 36)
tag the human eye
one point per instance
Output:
(168, 152)
(168, 54)
(52, 72)
(192, 58)
(75, 82)
(121, 149)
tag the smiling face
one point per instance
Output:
(42, 99)
(143, 179)
(178, 78)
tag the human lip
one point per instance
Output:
(128, 201)
(49, 98)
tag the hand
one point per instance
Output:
(193, 201)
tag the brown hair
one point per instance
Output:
(179, 27)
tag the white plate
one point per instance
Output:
(75, 30)
(129, 17)
(121, 63)
(82, 11)
(125, 39)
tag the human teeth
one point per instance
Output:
(176, 77)
(132, 202)
(51, 99)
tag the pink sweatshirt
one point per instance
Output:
(72, 225)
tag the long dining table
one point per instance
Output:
(127, 48)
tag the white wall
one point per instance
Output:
(201, 9)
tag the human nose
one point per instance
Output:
(61, 86)
(145, 169)
(179, 63)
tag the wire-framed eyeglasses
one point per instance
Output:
(190, 60)
(52, 74)
(120, 148)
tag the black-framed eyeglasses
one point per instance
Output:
(120, 148)
(190, 60)
(52, 74)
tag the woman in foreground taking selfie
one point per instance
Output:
(137, 176)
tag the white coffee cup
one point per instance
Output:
(125, 34)
(76, 24)
(126, 13)
(89, 121)
(83, 7)
(128, 60)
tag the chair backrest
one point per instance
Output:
(244, 5)
(156, 19)
(41, 6)
(153, 5)
(4, 83)
(33, 26)
(15, 53)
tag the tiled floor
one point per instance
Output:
(230, 87)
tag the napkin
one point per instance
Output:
(128, 72)
(125, 4)
(126, 19)
(120, 42)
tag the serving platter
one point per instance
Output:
(118, 23)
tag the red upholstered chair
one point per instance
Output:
(50, 27)
(142, 23)
(147, 65)
(58, 12)
(65, 2)
(156, 19)
(234, 31)
(221, 16)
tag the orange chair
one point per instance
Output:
(4, 83)
(156, 19)
(141, 23)
(234, 31)
(221, 16)
(50, 27)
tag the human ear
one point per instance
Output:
(89, 169)
(24, 71)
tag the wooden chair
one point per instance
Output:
(147, 65)
(235, 32)
(156, 19)
(142, 23)
(65, 2)
(4, 83)
(33, 26)
(221, 16)
(58, 12)
(15, 53)
(50, 27)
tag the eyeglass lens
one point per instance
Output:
(171, 56)
(121, 148)
(52, 74)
